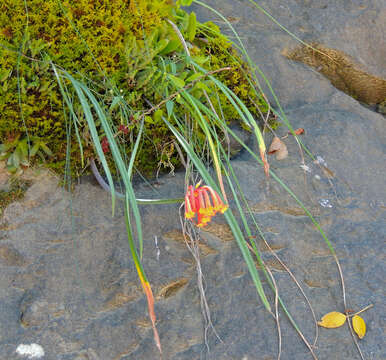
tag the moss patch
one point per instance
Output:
(116, 48)
(16, 192)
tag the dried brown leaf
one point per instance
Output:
(275, 145)
(278, 148)
(299, 131)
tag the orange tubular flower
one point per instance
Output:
(203, 201)
(218, 203)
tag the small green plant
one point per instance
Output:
(119, 49)
(19, 152)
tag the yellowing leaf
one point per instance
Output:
(332, 320)
(359, 326)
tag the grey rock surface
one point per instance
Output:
(354, 27)
(67, 281)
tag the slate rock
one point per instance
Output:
(77, 284)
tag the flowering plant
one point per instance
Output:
(204, 202)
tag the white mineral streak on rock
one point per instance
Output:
(325, 203)
(33, 351)
(305, 168)
(321, 161)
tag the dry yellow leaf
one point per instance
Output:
(359, 326)
(332, 320)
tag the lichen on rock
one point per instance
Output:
(343, 72)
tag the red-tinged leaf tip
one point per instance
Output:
(299, 131)
(150, 305)
(265, 163)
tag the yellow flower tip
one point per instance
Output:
(189, 215)
(197, 185)
(211, 211)
(203, 221)
(224, 208)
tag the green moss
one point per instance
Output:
(16, 191)
(239, 79)
(106, 27)
(130, 43)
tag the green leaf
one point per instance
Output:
(179, 99)
(161, 45)
(179, 83)
(194, 77)
(115, 102)
(33, 84)
(169, 107)
(149, 120)
(186, 2)
(46, 149)
(158, 115)
(4, 148)
(192, 26)
(170, 47)
(35, 148)
(183, 75)
(14, 160)
(12, 169)
(23, 146)
(173, 67)
(43, 88)
(202, 86)
(4, 74)
(200, 59)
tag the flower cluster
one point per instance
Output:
(203, 201)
